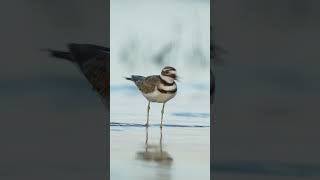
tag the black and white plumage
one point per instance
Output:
(157, 88)
(93, 61)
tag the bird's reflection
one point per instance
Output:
(155, 152)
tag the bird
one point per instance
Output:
(93, 61)
(216, 53)
(157, 88)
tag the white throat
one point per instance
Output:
(167, 78)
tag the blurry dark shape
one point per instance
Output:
(93, 61)
(212, 87)
(163, 53)
(154, 152)
(216, 53)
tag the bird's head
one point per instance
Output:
(169, 73)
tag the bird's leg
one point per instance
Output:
(148, 108)
(162, 114)
(147, 136)
(161, 140)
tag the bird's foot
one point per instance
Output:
(146, 125)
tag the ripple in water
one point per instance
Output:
(116, 124)
(190, 114)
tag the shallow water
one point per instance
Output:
(181, 150)
(182, 153)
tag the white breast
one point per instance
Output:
(167, 88)
(157, 96)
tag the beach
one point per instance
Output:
(181, 150)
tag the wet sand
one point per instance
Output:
(181, 150)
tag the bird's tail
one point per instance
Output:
(128, 78)
(135, 78)
(59, 54)
(83, 52)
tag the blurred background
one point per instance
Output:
(146, 36)
(267, 90)
(51, 122)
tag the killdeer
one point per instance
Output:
(216, 53)
(157, 88)
(93, 61)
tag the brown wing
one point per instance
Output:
(96, 72)
(149, 84)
